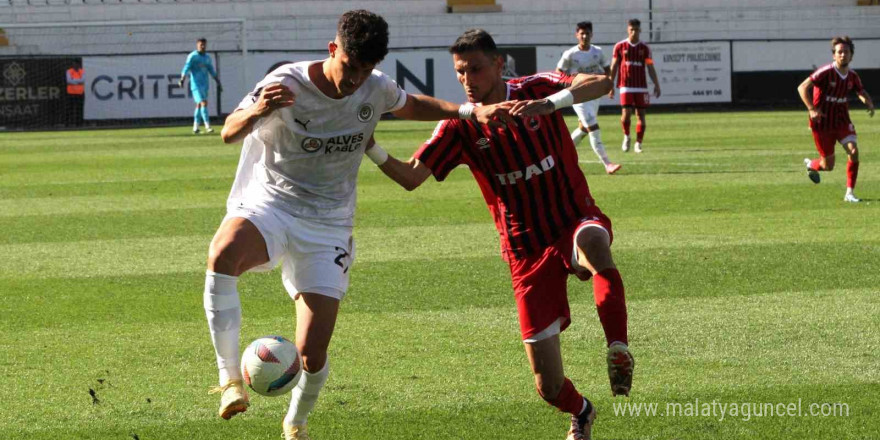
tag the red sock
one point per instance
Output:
(816, 164)
(625, 125)
(640, 131)
(568, 400)
(852, 172)
(611, 304)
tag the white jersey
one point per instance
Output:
(304, 159)
(575, 60)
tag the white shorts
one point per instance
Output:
(587, 112)
(314, 257)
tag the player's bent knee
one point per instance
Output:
(225, 259)
(594, 243)
(854, 154)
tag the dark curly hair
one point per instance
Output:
(364, 36)
(843, 40)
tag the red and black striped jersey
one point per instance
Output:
(830, 91)
(632, 64)
(528, 172)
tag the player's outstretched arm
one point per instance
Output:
(866, 99)
(803, 91)
(584, 87)
(426, 108)
(587, 87)
(241, 122)
(410, 175)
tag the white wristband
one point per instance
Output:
(377, 154)
(561, 99)
(465, 111)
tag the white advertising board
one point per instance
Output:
(145, 86)
(762, 56)
(135, 87)
(427, 72)
(696, 72)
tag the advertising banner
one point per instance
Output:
(689, 72)
(33, 93)
(142, 86)
(692, 72)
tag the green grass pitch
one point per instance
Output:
(746, 284)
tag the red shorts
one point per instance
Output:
(826, 139)
(637, 100)
(539, 280)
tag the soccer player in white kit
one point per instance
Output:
(305, 128)
(587, 58)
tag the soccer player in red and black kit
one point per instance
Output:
(631, 58)
(549, 225)
(829, 113)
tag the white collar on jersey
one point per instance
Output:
(842, 76)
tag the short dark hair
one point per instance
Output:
(585, 25)
(843, 40)
(635, 22)
(474, 39)
(364, 36)
(202, 40)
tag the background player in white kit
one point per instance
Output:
(305, 128)
(587, 58)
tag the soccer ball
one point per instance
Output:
(271, 366)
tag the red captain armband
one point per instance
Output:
(649, 61)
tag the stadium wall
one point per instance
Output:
(308, 25)
(134, 89)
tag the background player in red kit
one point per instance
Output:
(631, 58)
(829, 113)
(549, 225)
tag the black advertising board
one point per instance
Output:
(33, 93)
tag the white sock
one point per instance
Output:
(305, 394)
(849, 191)
(195, 125)
(223, 310)
(598, 146)
(577, 135)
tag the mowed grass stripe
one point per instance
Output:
(167, 252)
(470, 348)
(200, 212)
(54, 206)
(139, 290)
(113, 168)
(159, 171)
(386, 231)
(187, 253)
(158, 186)
(99, 141)
(121, 156)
